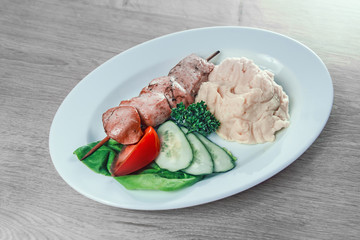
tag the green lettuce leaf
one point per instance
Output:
(151, 177)
(100, 161)
(155, 178)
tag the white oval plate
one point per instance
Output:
(299, 70)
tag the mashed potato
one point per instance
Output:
(250, 106)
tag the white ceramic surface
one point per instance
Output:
(299, 70)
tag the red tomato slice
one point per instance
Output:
(136, 156)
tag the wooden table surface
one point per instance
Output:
(47, 47)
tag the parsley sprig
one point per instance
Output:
(196, 118)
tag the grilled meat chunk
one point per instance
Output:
(191, 72)
(153, 108)
(123, 124)
(171, 89)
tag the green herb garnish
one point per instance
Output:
(196, 118)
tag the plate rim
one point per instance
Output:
(235, 191)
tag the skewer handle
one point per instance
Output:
(96, 147)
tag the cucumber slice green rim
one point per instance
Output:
(223, 159)
(175, 152)
(202, 163)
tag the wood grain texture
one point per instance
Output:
(46, 48)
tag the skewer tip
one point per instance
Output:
(96, 147)
(213, 55)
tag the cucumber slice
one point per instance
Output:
(223, 160)
(202, 162)
(176, 152)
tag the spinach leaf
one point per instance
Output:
(151, 177)
(100, 161)
(155, 178)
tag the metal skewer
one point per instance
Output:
(107, 138)
(213, 55)
(102, 142)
